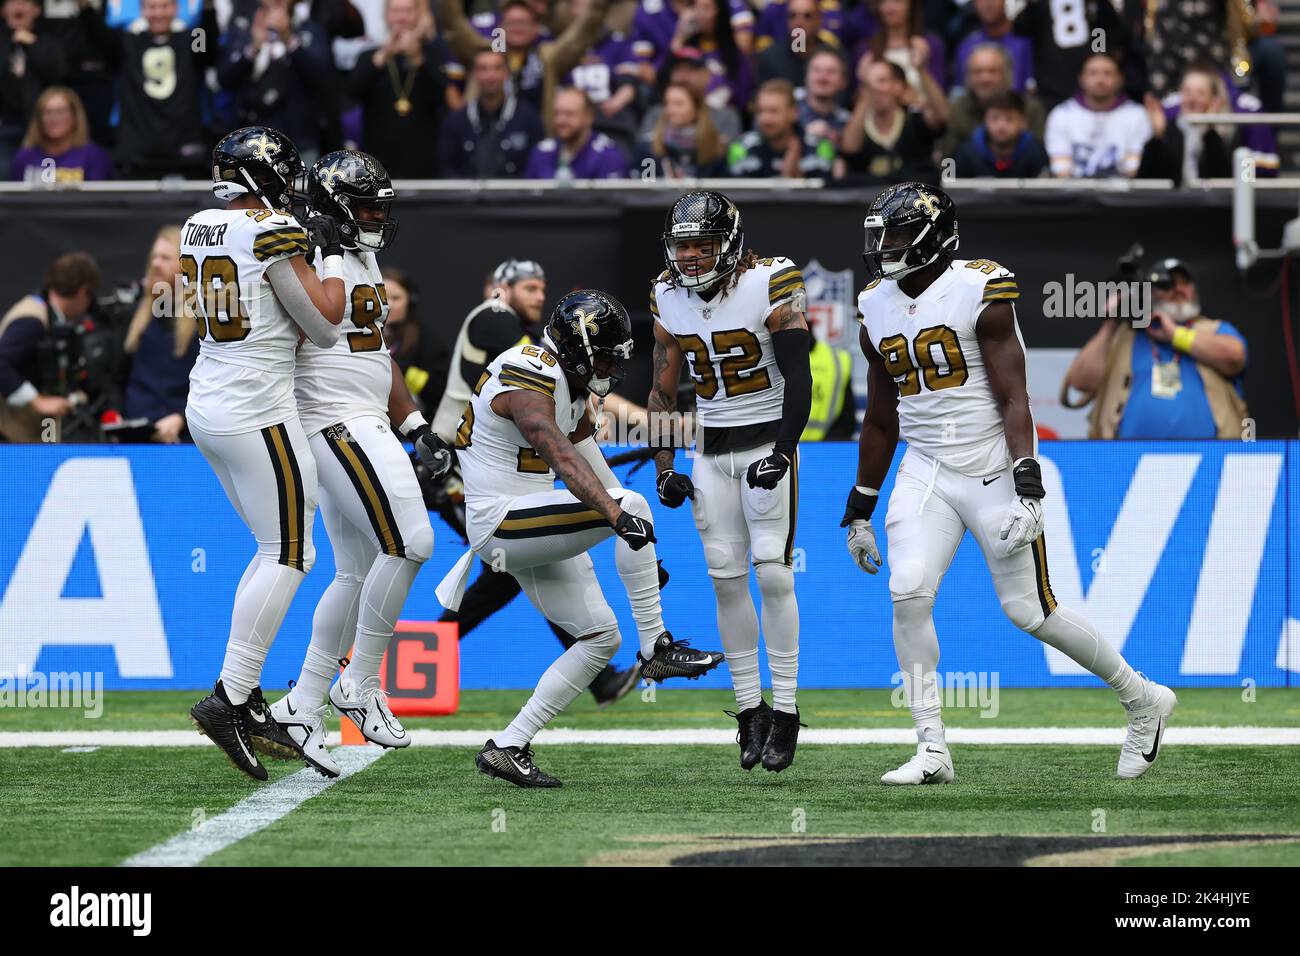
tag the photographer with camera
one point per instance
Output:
(33, 365)
(1179, 377)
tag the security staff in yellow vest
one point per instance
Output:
(831, 417)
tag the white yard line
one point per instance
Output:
(253, 813)
(1108, 736)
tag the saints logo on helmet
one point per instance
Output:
(258, 160)
(591, 335)
(700, 215)
(908, 227)
(353, 188)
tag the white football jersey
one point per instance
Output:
(496, 461)
(243, 378)
(354, 376)
(1091, 143)
(945, 406)
(727, 343)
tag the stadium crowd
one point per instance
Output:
(857, 91)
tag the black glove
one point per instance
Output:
(674, 488)
(326, 233)
(768, 472)
(859, 507)
(637, 532)
(435, 454)
(1029, 479)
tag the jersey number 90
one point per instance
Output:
(940, 361)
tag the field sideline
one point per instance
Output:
(672, 802)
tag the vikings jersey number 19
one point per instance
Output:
(353, 376)
(243, 378)
(929, 345)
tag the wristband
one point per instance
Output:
(864, 490)
(332, 268)
(410, 423)
(1183, 338)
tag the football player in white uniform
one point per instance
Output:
(370, 499)
(947, 372)
(527, 421)
(252, 293)
(739, 321)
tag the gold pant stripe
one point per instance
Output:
(794, 509)
(550, 521)
(1046, 599)
(290, 494)
(371, 494)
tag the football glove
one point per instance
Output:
(325, 234)
(1021, 526)
(862, 545)
(435, 454)
(674, 488)
(637, 532)
(768, 472)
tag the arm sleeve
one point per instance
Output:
(322, 332)
(791, 347)
(591, 453)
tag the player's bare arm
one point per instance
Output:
(879, 435)
(406, 416)
(585, 428)
(665, 375)
(876, 444)
(785, 317)
(534, 415)
(1004, 360)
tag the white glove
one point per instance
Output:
(862, 545)
(1021, 526)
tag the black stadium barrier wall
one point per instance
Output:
(609, 239)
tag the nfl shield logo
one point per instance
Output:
(831, 304)
(707, 312)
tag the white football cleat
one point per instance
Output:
(932, 764)
(306, 727)
(366, 705)
(1148, 717)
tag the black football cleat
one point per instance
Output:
(267, 736)
(226, 725)
(514, 764)
(754, 725)
(677, 659)
(778, 752)
(612, 685)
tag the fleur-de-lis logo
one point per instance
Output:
(333, 174)
(263, 147)
(580, 318)
(927, 202)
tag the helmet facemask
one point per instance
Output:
(724, 260)
(896, 250)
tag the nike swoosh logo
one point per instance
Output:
(767, 469)
(256, 716)
(927, 774)
(989, 481)
(520, 767)
(1151, 757)
(536, 365)
(289, 707)
(931, 750)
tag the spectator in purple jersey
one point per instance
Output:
(903, 41)
(609, 75)
(30, 60)
(851, 26)
(575, 151)
(995, 27)
(656, 24)
(1184, 151)
(820, 113)
(57, 147)
(701, 28)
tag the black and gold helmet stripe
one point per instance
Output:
(784, 283)
(289, 495)
(550, 519)
(996, 289)
(366, 483)
(1046, 599)
(512, 376)
(279, 242)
